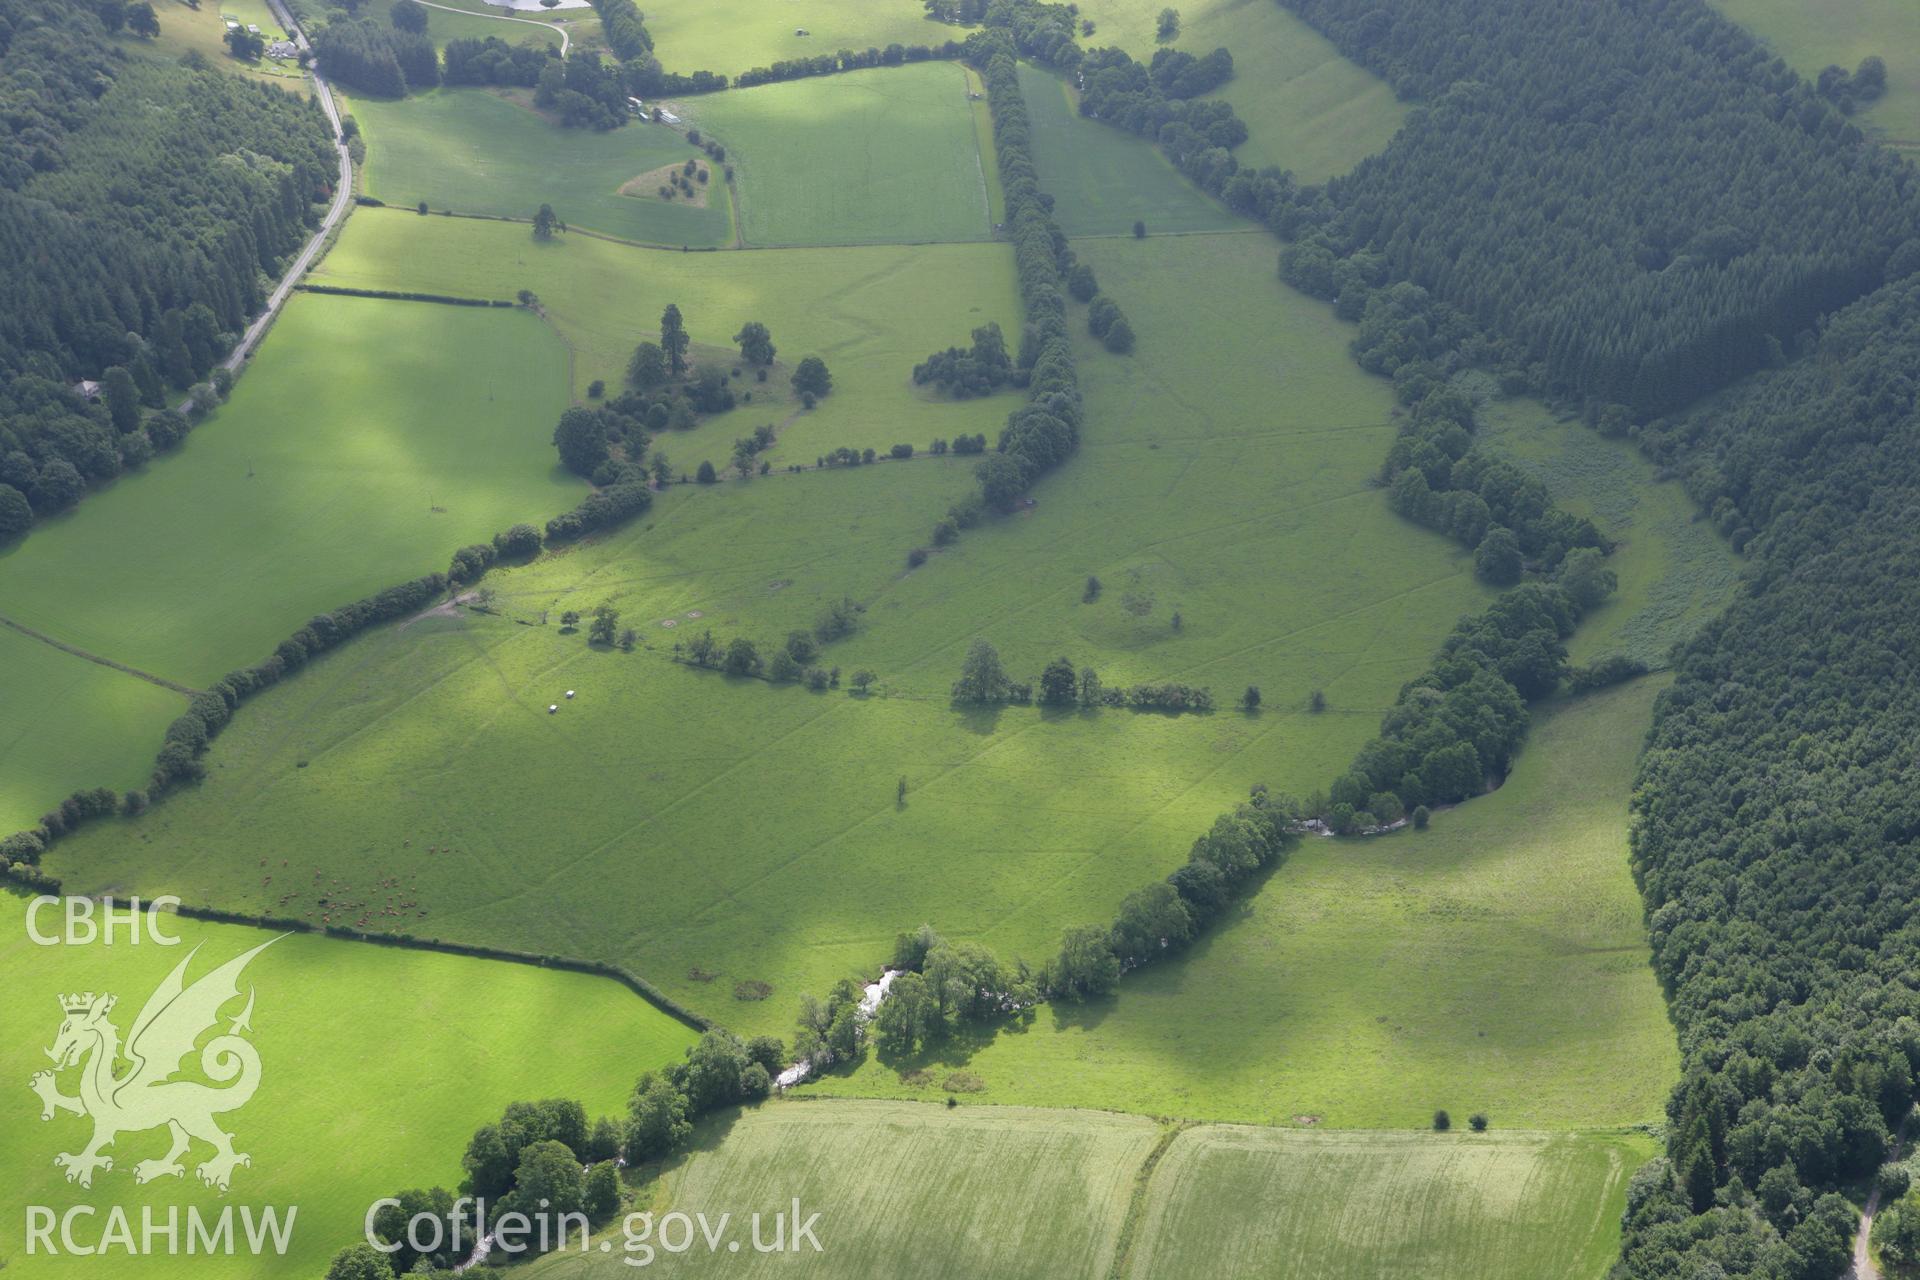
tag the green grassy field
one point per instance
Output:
(376, 1066)
(1495, 963)
(1307, 108)
(872, 313)
(911, 1191)
(71, 723)
(731, 36)
(476, 151)
(1373, 1206)
(1232, 486)
(368, 440)
(1102, 179)
(901, 1191)
(1814, 34)
(886, 155)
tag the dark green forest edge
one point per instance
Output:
(1637, 204)
(144, 210)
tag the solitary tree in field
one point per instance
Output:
(546, 222)
(674, 340)
(1168, 25)
(570, 619)
(1250, 700)
(1442, 1121)
(811, 377)
(862, 680)
(1139, 229)
(606, 619)
(756, 344)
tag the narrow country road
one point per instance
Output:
(1863, 1267)
(342, 200)
(532, 22)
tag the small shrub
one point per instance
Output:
(1442, 1121)
(751, 990)
(1477, 1122)
(1421, 816)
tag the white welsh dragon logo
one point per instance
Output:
(145, 1096)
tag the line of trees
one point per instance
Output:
(1040, 434)
(1159, 919)
(545, 1175)
(984, 681)
(796, 659)
(826, 64)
